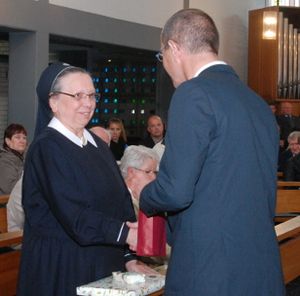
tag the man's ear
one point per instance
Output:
(174, 48)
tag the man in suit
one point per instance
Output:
(155, 129)
(287, 122)
(292, 150)
(219, 186)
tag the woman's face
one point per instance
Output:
(74, 113)
(115, 130)
(17, 142)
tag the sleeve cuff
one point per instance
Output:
(123, 233)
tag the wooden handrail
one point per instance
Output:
(10, 238)
(279, 175)
(288, 236)
(4, 199)
(288, 228)
(288, 184)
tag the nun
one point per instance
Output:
(77, 207)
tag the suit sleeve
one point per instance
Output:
(191, 127)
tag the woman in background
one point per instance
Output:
(12, 156)
(118, 141)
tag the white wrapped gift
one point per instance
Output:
(117, 286)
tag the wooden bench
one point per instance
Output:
(287, 204)
(3, 215)
(288, 232)
(288, 236)
(9, 257)
(288, 184)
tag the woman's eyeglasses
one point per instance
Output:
(78, 96)
(148, 172)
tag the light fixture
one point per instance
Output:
(269, 25)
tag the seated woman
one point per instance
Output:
(15, 212)
(137, 161)
(118, 141)
(12, 156)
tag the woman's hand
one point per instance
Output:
(132, 235)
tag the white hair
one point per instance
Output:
(134, 156)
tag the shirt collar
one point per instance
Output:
(57, 125)
(209, 65)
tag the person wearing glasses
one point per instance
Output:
(219, 187)
(138, 163)
(76, 204)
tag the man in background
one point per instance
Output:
(287, 122)
(155, 129)
(102, 133)
(292, 150)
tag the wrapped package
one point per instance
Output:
(151, 235)
(123, 284)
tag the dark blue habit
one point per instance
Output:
(75, 202)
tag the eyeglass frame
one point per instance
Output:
(159, 56)
(77, 96)
(146, 171)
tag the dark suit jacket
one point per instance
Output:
(292, 169)
(148, 142)
(283, 159)
(219, 189)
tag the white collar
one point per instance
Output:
(209, 65)
(57, 125)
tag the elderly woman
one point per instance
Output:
(12, 157)
(75, 200)
(140, 163)
(137, 162)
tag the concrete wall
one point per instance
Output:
(151, 13)
(132, 23)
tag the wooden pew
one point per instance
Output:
(287, 204)
(288, 233)
(288, 236)
(9, 257)
(3, 215)
(288, 184)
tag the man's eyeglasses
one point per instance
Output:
(148, 172)
(159, 56)
(78, 96)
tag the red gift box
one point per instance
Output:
(151, 235)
